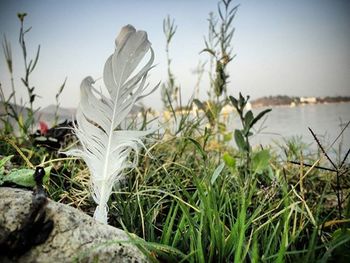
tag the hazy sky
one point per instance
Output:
(293, 47)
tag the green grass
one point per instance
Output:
(187, 203)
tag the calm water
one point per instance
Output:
(326, 120)
(285, 123)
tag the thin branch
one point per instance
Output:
(315, 166)
(322, 149)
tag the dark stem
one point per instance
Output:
(322, 149)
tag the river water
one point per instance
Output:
(326, 120)
(286, 123)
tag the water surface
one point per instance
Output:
(326, 120)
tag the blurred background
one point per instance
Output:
(294, 48)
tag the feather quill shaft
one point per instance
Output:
(104, 148)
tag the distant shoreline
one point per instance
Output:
(286, 101)
(298, 105)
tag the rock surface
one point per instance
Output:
(76, 237)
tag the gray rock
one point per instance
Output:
(76, 237)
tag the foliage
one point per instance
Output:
(218, 45)
(22, 177)
(22, 115)
(241, 137)
(169, 90)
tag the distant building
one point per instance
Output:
(308, 100)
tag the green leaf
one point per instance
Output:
(216, 173)
(234, 102)
(229, 160)
(241, 101)
(221, 127)
(242, 146)
(198, 146)
(259, 116)
(61, 88)
(31, 68)
(4, 160)
(210, 51)
(228, 137)
(260, 161)
(24, 177)
(248, 118)
(199, 104)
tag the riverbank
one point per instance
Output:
(283, 100)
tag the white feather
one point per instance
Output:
(105, 149)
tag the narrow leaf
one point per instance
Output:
(234, 102)
(248, 119)
(216, 173)
(210, 51)
(229, 160)
(239, 139)
(24, 177)
(260, 161)
(259, 116)
(5, 159)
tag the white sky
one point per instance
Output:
(299, 48)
